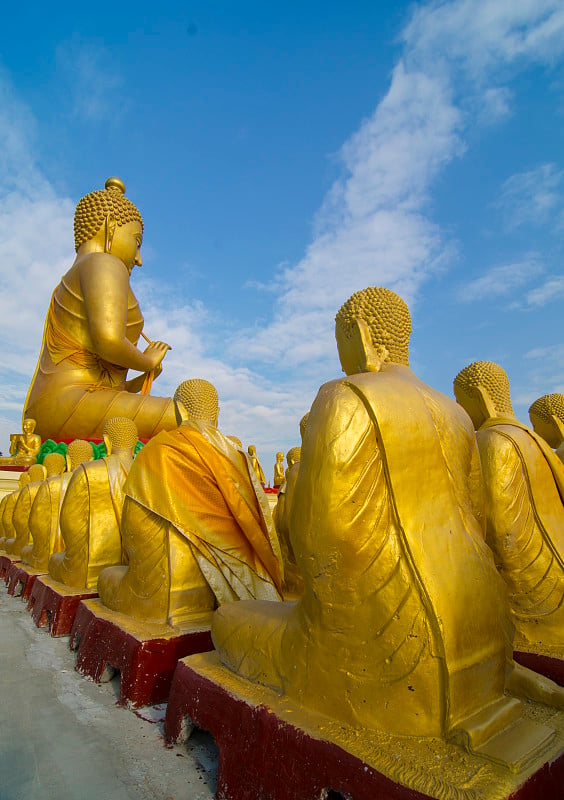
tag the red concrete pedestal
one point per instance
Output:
(6, 562)
(54, 605)
(548, 666)
(21, 578)
(271, 748)
(145, 654)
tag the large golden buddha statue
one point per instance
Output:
(401, 625)
(90, 515)
(92, 328)
(44, 515)
(196, 526)
(524, 486)
(547, 418)
(24, 446)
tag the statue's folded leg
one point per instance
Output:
(248, 638)
(162, 582)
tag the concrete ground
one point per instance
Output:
(62, 737)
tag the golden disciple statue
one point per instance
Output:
(524, 485)
(252, 451)
(401, 624)
(279, 471)
(7, 530)
(92, 328)
(547, 418)
(292, 577)
(196, 525)
(20, 516)
(25, 446)
(44, 515)
(90, 516)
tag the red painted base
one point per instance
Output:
(548, 666)
(145, 655)
(20, 580)
(54, 605)
(289, 762)
(6, 562)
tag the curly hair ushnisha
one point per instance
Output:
(387, 317)
(78, 452)
(293, 455)
(122, 432)
(199, 398)
(55, 464)
(93, 209)
(547, 406)
(491, 377)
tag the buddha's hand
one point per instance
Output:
(155, 352)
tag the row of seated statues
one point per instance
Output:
(413, 533)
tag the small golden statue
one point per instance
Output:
(92, 328)
(44, 514)
(90, 516)
(196, 526)
(22, 506)
(393, 558)
(293, 582)
(524, 485)
(24, 446)
(547, 418)
(279, 472)
(252, 451)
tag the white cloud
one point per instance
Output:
(533, 197)
(90, 73)
(500, 281)
(551, 289)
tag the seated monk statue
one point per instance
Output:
(547, 418)
(401, 625)
(293, 583)
(92, 328)
(7, 505)
(279, 470)
(196, 525)
(20, 517)
(24, 447)
(90, 515)
(524, 486)
(44, 515)
(252, 451)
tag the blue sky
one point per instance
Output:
(284, 155)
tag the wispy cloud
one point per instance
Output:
(501, 281)
(551, 289)
(91, 75)
(533, 197)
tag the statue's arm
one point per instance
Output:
(104, 281)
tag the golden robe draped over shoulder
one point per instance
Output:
(195, 479)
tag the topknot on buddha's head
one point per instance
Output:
(54, 463)
(387, 317)
(489, 376)
(122, 432)
(94, 207)
(199, 399)
(303, 424)
(547, 406)
(293, 455)
(78, 452)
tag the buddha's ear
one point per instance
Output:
(68, 461)
(109, 229)
(371, 358)
(558, 424)
(180, 412)
(108, 443)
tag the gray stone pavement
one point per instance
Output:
(62, 737)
